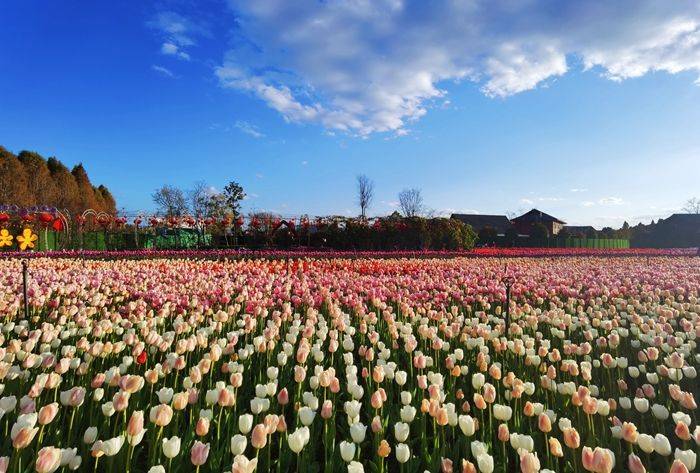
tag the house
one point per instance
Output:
(676, 231)
(527, 222)
(500, 223)
(580, 231)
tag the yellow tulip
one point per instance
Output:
(26, 239)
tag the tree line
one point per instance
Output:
(28, 179)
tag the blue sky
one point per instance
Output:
(589, 112)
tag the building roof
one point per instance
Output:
(500, 223)
(683, 219)
(580, 229)
(536, 216)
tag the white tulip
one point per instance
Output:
(108, 409)
(238, 444)
(687, 457)
(400, 377)
(485, 463)
(502, 413)
(661, 445)
(298, 439)
(641, 404)
(347, 451)
(660, 412)
(358, 432)
(90, 435)
(408, 413)
(112, 446)
(306, 415)
(403, 453)
(171, 446)
(645, 442)
(352, 408)
(478, 380)
(355, 467)
(401, 431)
(478, 448)
(245, 423)
(681, 417)
(466, 424)
(165, 395)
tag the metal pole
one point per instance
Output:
(507, 307)
(508, 282)
(25, 265)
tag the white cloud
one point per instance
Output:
(163, 70)
(549, 199)
(177, 32)
(611, 201)
(604, 201)
(527, 201)
(249, 129)
(171, 49)
(449, 211)
(364, 66)
(579, 190)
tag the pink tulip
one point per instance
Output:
(48, 413)
(48, 460)
(199, 453)
(327, 409)
(635, 465)
(678, 467)
(283, 397)
(259, 436)
(529, 463)
(135, 425)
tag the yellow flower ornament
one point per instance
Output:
(5, 238)
(26, 239)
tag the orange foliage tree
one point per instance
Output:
(27, 179)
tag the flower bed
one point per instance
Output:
(316, 253)
(363, 364)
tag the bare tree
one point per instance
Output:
(170, 201)
(411, 202)
(365, 193)
(199, 197)
(692, 206)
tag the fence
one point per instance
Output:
(100, 240)
(593, 243)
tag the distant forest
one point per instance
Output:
(28, 180)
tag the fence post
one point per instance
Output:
(25, 267)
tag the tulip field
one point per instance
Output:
(331, 364)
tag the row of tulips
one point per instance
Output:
(174, 365)
(329, 253)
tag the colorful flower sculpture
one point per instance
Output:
(5, 238)
(27, 239)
